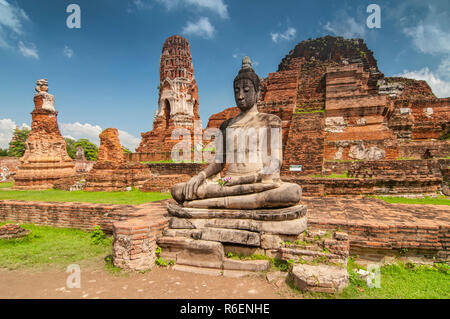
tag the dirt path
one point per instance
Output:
(160, 283)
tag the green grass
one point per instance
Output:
(47, 245)
(397, 281)
(402, 281)
(441, 200)
(302, 111)
(6, 184)
(333, 175)
(133, 197)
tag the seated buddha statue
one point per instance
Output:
(249, 151)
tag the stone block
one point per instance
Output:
(197, 253)
(231, 236)
(246, 265)
(323, 278)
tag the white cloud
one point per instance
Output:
(29, 51)
(68, 52)
(11, 23)
(129, 141)
(78, 130)
(91, 132)
(215, 6)
(444, 67)
(287, 35)
(431, 34)
(74, 131)
(440, 87)
(7, 127)
(202, 28)
(142, 5)
(346, 27)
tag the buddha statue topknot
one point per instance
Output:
(250, 144)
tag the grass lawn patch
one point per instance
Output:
(6, 184)
(402, 281)
(441, 200)
(47, 245)
(133, 197)
(398, 281)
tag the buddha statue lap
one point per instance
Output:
(251, 145)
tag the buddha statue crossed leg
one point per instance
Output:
(250, 144)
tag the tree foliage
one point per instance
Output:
(90, 149)
(17, 144)
(3, 152)
(70, 147)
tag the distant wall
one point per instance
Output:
(10, 163)
(176, 168)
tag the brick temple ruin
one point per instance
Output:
(177, 101)
(112, 172)
(45, 160)
(339, 113)
(341, 116)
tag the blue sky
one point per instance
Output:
(106, 73)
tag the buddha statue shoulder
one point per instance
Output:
(251, 145)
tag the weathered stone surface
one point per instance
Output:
(275, 241)
(198, 270)
(217, 234)
(45, 159)
(231, 236)
(246, 265)
(319, 278)
(288, 227)
(197, 253)
(279, 214)
(275, 276)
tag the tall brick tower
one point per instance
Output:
(178, 97)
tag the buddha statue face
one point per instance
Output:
(245, 94)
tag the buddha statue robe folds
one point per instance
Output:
(249, 146)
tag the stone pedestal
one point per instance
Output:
(201, 237)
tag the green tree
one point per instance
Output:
(90, 149)
(70, 147)
(3, 152)
(17, 144)
(126, 150)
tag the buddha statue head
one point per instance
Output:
(247, 86)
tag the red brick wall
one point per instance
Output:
(72, 215)
(304, 145)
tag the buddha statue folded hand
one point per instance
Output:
(251, 145)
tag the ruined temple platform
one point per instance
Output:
(377, 228)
